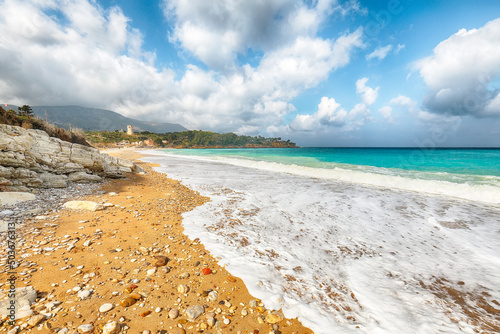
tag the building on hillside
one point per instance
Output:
(130, 130)
(149, 142)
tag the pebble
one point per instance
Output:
(194, 312)
(127, 302)
(151, 272)
(227, 321)
(182, 288)
(112, 327)
(82, 294)
(212, 295)
(211, 321)
(35, 320)
(158, 309)
(106, 307)
(273, 318)
(173, 313)
(87, 328)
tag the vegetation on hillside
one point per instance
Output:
(185, 139)
(24, 117)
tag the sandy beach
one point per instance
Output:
(129, 268)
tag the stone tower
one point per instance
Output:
(130, 130)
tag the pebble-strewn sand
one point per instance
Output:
(127, 242)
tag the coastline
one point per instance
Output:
(105, 254)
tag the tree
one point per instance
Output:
(26, 110)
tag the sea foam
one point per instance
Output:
(347, 251)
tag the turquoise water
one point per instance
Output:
(455, 165)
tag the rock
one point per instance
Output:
(212, 295)
(4, 225)
(273, 318)
(106, 307)
(35, 320)
(6, 213)
(194, 312)
(83, 177)
(183, 288)
(83, 294)
(135, 295)
(151, 272)
(178, 331)
(184, 276)
(211, 321)
(32, 159)
(83, 205)
(24, 297)
(227, 321)
(173, 313)
(128, 301)
(160, 261)
(87, 328)
(112, 327)
(53, 180)
(12, 198)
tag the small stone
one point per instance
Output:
(212, 295)
(83, 294)
(106, 307)
(184, 276)
(151, 272)
(36, 319)
(127, 302)
(244, 312)
(173, 313)
(273, 318)
(182, 288)
(135, 295)
(87, 328)
(253, 303)
(158, 309)
(227, 321)
(161, 260)
(194, 312)
(211, 321)
(112, 327)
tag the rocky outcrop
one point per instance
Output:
(32, 159)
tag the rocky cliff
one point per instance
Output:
(32, 159)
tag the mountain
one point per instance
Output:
(91, 119)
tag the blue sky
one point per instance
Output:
(321, 73)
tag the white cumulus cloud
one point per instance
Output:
(60, 52)
(381, 52)
(460, 70)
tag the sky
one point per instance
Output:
(318, 72)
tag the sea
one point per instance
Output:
(354, 240)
